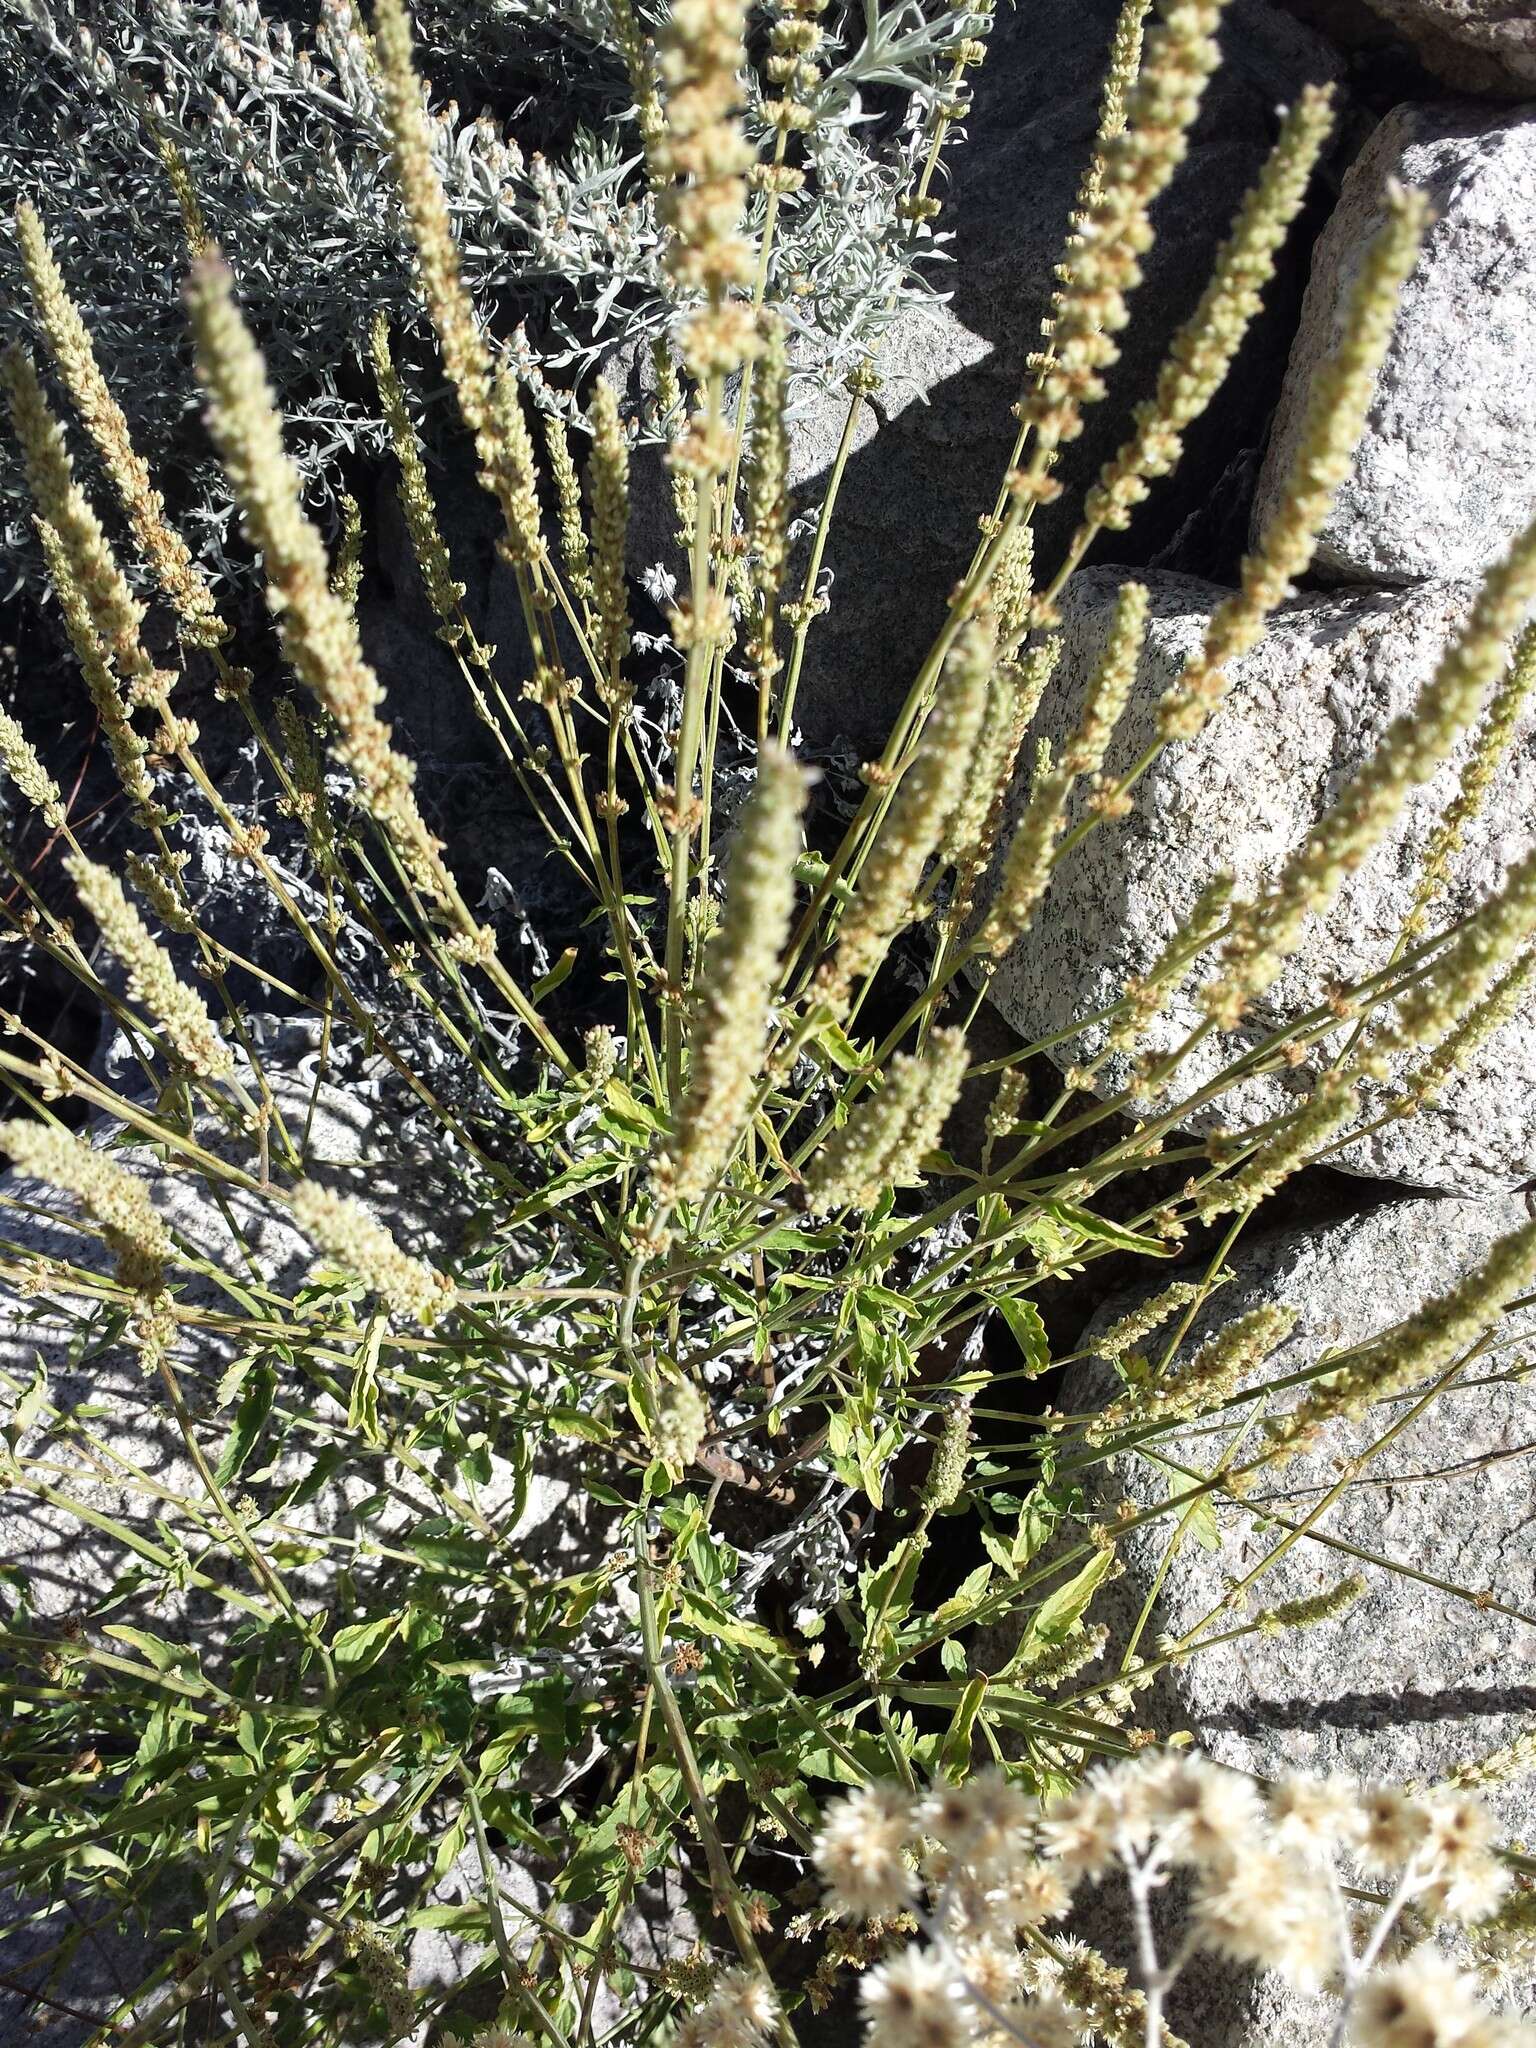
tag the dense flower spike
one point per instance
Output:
(152, 978)
(1336, 411)
(162, 547)
(738, 981)
(115, 612)
(1411, 750)
(1328, 1109)
(1422, 1346)
(1203, 350)
(1124, 1334)
(925, 800)
(117, 1199)
(1103, 264)
(129, 755)
(1218, 1370)
(608, 488)
(1494, 739)
(360, 1244)
(704, 151)
(1026, 868)
(488, 400)
(319, 631)
(444, 592)
(682, 1418)
(883, 1143)
(1110, 686)
(20, 762)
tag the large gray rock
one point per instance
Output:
(1305, 709)
(931, 449)
(1445, 474)
(1417, 1679)
(1474, 45)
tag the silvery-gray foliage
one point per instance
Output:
(277, 117)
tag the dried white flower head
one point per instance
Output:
(861, 1854)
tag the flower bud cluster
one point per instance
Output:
(794, 43)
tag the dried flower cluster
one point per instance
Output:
(1266, 1875)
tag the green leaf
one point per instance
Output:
(1028, 1332)
(889, 1587)
(957, 1610)
(1038, 1516)
(623, 1100)
(1058, 1617)
(955, 1756)
(250, 1422)
(799, 1241)
(575, 1422)
(1197, 1520)
(30, 1404)
(361, 1643)
(234, 1378)
(1000, 1552)
(363, 1401)
(548, 983)
(159, 1655)
(840, 1049)
(1086, 1224)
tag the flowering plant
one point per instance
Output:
(700, 1278)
